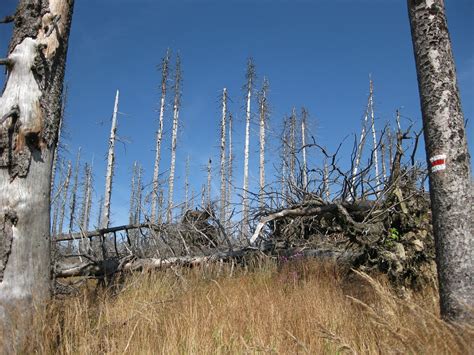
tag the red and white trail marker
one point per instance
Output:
(438, 163)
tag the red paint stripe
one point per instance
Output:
(438, 162)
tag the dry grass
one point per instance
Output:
(303, 307)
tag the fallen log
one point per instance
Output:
(111, 266)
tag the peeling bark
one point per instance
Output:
(450, 176)
(37, 56)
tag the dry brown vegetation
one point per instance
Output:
(294, 307)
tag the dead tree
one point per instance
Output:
(72, 206)
(110, 166)
(87, 198)
(375, 155)
(186, 186)
(451, 189)
(250, 76)
(60, 129)
(292, 148)
(209, 183)
(64, 198)
(304, 117)
(263, 113)
(159, 135)
(174, 137)
(223, 157)
(230, 185)
(30, 110)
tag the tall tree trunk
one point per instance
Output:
(159, 135)
(110, 166)
(209, 184)
(245, 203)
(230, 184)
(360, 148)
(131, 213)
(451, 188)
(292, 148)
(64, 199)
(174, 137)
(60, 129)
(223, 204)
(30, 110)
(304, 116)
(186, 186)
(87, 199)
(263, 108)
(72, 206)
(375, 153)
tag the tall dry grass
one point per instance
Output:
(302, 307)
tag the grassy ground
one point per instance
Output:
(300, 307)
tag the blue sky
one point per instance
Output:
(316, 54)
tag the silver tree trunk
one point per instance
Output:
(159, 136)
(447, 154)
(110, 166)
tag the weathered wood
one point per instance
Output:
(34, 83)
(102, 231)
(451, 188)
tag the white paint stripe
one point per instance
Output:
(438, 168)
(437, 157)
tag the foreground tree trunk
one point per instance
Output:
(30, 110)
(451, 187)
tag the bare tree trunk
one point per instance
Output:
(72, 206)
(131, 213)
(223, 157)
(360, 148)
(209, 182)
(30, 110)
(451, 187)
(230, 185)
(292, 147)
(110, 166)
(263, 107)
(159, 135)
(245, 203)
(186, 186)
(326, 192)
(60, 128)
(64, 199)
(375, 153)
(87, 200)
(85, 246)
(304, 116)
(55, 206)
(174, 138)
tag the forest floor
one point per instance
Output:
(286, 308)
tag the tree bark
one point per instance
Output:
(28, 136)
(245, 203)
(450, 175)
(223, 157)
(263, 121)
(159, 135)
(174, 138)
(304, 116)
(110, 166)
